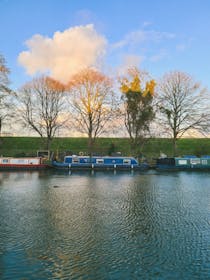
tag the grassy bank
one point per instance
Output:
(28, 146)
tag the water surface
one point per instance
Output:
(104, 225)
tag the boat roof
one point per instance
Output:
(100, 156)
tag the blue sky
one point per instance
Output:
(64, 35)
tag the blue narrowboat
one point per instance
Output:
(183, 163)
(97, 162)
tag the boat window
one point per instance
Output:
(204, 161)
(195, 161)
(5, 160)
(100, 160)
(126, 161)
(75, 160)
(182, 161)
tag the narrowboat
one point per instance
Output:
(97, 162)
(25, 163)
(183, 163)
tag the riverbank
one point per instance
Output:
(28, 146)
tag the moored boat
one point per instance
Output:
(25, 163)
(97, 162)
(183, 163)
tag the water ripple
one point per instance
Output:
(105, 227)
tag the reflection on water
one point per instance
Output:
(104, 225)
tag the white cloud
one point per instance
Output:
(147, 23)
(185, 45)
(181, 47)
(142, 46)
(129, 61)
(159, 56)
(65, 53)
(138, 37)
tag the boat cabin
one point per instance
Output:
(19, 161)
(82, 160)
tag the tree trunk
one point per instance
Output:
(0, 125)
(90, 145)
(174, 147)
(48, 143)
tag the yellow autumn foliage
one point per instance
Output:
(4, 69)
(135, 86)
(149, 88)
(124, 88)
(152, 85)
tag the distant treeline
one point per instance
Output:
(28, 146)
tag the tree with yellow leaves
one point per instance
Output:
(137, 95)
(92, 103)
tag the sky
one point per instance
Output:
(60, 37)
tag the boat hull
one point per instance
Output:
(24, 163)
(67, 166)
(23, 166)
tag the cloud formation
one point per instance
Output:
(129, 61)
(65, 53)
(135, 38)
(159, 56)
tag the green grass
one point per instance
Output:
(28, 146)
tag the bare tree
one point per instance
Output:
(138, 94)
(42, 104)
(92, 103)
(6, 94)
(182, 103)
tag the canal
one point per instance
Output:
(104, 225)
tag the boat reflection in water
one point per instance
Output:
(153, 225)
